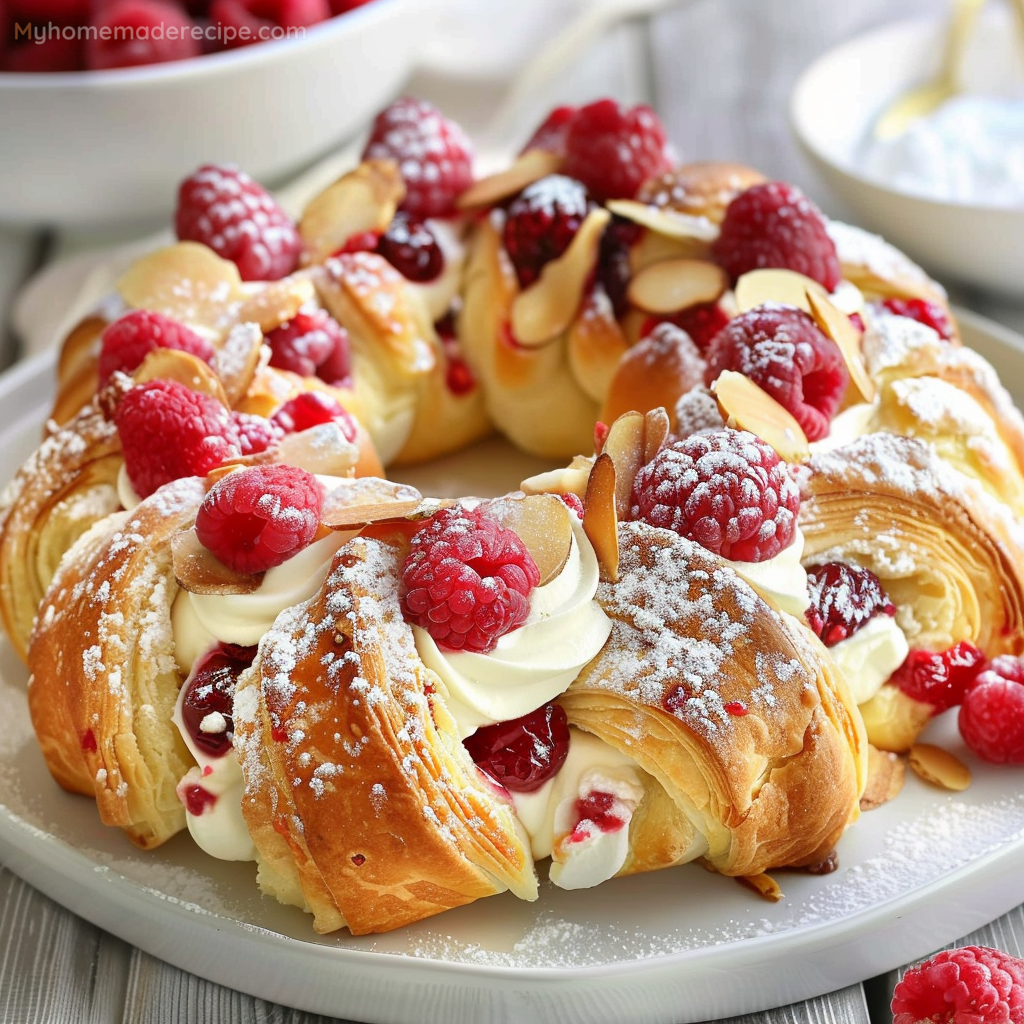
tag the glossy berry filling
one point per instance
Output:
(210, 691)
(412, 249)
(843, 598)
(523, 753)
(594, 813)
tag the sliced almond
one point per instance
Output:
(838, 326)
(542, 523)
(343, 516)
(238, 359)
(773, 284)
(321, 449)
(276, 302)
(198, 571)
(548, 306)
(886, 774)
(672, 285)
(625, 445)
(600, 522)
(665, 221)
(183, 367)
(747, 406)
(529, 167)
(656, 429)
(764, 885)
(939, 767)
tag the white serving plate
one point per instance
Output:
(666, 948)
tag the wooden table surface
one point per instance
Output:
(719, 72)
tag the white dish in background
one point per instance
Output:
(670, 947)
(834, 105)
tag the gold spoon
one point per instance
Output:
(923, 99)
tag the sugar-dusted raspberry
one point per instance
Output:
(843, 598)
(929, 313)
(222, 207)
(701, 322)
(613, 151)
(541, 223)
(467, 580)
(939, 678)
(522, 754)
(991, 717)
(551, 133)
(727, 490)
(168, 432)
(411, 248)
(311, 344)
(243, 22)
(969, 985)
(776, 225)
(128, 340)
(130, 33)
(207, 703)
(258, 517)
(781, 349)
(312, 408)
(256, 433)
(434, 155)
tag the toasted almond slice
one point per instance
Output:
(656, 429)
(600, 522)
(840, 329)
(773, 284)
(547, 307)
(363, 200)
(672, 285)
(940, 767)
(198, 571)
(183, 367)
(276, 302)
(321, 449)
(625, 445)
(343, 516)
(665, 221)
(542, 523)
(748, 406)
(764, 885)
(529, 167)
(237, 360)
(886, 773)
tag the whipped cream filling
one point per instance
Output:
(782, 579)
(853, 422)
(869, 657)
(126, 493)
(533, 664)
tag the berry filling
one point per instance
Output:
(197, 799)
(614, 268)
(127, 341)
(991, 717)
(311, 409)
(311, 344)
(929, 313)
(206, 704)
(843, 598)
(522, 754)
(940, 678)
(595, 813)
(411, 248)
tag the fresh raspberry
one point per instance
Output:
(344, 6)
(61, 12)
(168, 432)
(940, 678)
(991, 718)
(411, 248)
(969, 985)
(701, 322)
(210, 690)
(222, 207)
(243, 22)
(551, 134)
(776, 225)
(614, 151)
(256, 518)
(311, 409)
(311, 344)
(541, 223)
(842, 599)
(574, 503)
(781, 349)
(51, 56)
(255, 433)
(433, 154)
(522, 754)
(125, 36)
(127, 341)
(727, 490)
(614, 267)
(467, 580)
(929, 313)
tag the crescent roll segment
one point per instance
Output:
(104, 679)
(734, 710)
(357, 786)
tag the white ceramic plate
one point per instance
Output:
(674, 946)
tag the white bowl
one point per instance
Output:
(111, 146)
(836, 101)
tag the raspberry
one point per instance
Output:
(727, 490)
(433, 154)
(614, 267)
(574, 503)
(311, 345)
(929, 313)
(781, 349)
(524, 753)
(256, 518)
(614, 151)
(701, 322)
(776, 225)
(939, 678)
(411, 248)
(991, 717)
(222, 207)
(541, 223)
(255, 433)
(125, 35)
(210, 689)
(969, 985)
(842, 599)
(551, 134)
(467, 580)
(243, 22)
(61, 12)
(127, 341)
(47, 57)
(168, 432)
(344, 6)
(310, 409)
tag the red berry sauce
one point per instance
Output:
(523, 753)
(210, 689)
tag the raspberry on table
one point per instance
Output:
(931, 314)
(411, 248)
(168, 432)
(551, 133)
(843, 598)
(613, 151)
(222, 207)
(782, 350)
(311, 344)
(125, 35)
(434, 155)
(523, 753)
(311, 409)
(940, 678)
(467, 580)
(243, 22)
(968, 985)
(727, 490)
(542, 222)
(127, 341)
(991, 717)
(776, 225)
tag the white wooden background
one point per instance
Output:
(719, 72)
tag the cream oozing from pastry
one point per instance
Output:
(782, 579)
(853, 422)
(868, 657)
